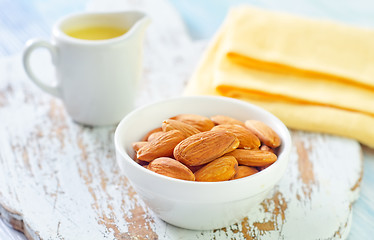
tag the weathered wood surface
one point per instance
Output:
(59, 180)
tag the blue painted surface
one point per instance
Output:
(21, 20)
(363, 210)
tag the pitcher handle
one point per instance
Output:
(31, 45)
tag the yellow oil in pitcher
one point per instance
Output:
(95, 32)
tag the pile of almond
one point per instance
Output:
(197, 148)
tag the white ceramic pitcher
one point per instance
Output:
(96, 79)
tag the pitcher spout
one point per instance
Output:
(136, 22)
(141, 25)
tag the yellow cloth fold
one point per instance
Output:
(314, 75)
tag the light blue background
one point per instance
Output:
(204, 16)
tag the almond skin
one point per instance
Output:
(195, 168)
(204, 147)
(266, 148)
(162, 146)
(266, 134)
(137, 145)
(171, 168)
(140, 162)
(246, 138)
(154, 136)
(244, 171)
(186, 129)
(145, 138)
(253, 158)
(201, 123)
(222, 119)
(221, 169)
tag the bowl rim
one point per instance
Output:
(283, 156)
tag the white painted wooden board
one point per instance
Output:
(59, 180)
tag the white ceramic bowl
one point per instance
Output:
(197, 205)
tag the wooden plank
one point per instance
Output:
(59, 180)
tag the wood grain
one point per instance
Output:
(60, 180)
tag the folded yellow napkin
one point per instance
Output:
(314, 75)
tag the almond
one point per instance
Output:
(171, 168)
(154, 135)
(145, 138)
(221, 119)
(246, 138)
(266, 148)
(162, 146)
(195, 168)
(221, 169)
(244, 171)
(267, 135)
(140, 162)
(204, 147)
(137, 145)
(186, 129)
(253, 158)
(201, 123)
